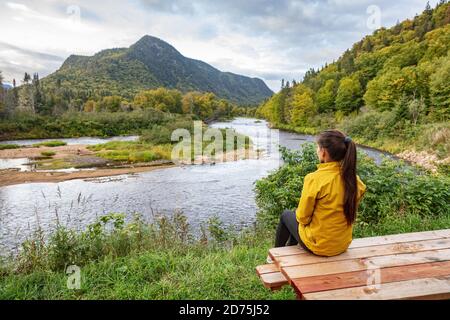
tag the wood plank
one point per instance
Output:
(370, 241)
(273, 280)
(427, 288)
(266, 268)
(334, 267)
(360, 278)
(365, 252)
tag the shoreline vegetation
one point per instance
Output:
(403, 150)
(166, 259)
(54, 161)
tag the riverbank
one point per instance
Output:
(84, 162)
(61, 152)
(430, 159)
(12, 177)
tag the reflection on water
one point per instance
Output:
(224, 190)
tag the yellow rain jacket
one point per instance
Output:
(322, 224)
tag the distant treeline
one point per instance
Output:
(35, 98)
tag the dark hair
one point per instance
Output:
(342, 148)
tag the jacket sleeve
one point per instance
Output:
(307, 202)
(361, 188)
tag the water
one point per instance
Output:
(22, 164)
(72, 141)
(224, 190)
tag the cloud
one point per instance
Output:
(16, 61)
(271, 39)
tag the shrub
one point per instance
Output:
(394, 189)
(9, 146)
(50, 144)
(48, 153)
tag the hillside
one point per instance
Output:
(390, 90)
(151, 63)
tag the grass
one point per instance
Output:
(9, 146)
(48, 153)
(147, 151)
(50, 144)
(161, 261)
(132, 151)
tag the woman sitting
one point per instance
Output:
(322, 223)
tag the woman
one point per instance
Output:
(322, 223)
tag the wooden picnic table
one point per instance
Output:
(402, 266)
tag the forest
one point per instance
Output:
(34, 110)
(390, 90)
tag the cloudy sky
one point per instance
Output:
(269, 39)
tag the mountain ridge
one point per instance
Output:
(151, 63)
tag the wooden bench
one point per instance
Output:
(402, 266)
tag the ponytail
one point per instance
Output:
(349, 176)
(342, 148)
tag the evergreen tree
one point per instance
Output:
(38, 96)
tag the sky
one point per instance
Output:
(268, 39)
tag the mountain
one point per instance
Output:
(152, 63)
(6, 86)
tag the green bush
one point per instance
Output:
(50, 144)
(9, 146)
(394, 189)
(48, 153)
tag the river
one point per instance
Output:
(224, 190)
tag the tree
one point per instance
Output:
(161, 99)
(416, 108)
(110, 104)
(349, 95)
(38, 95)
(89, 106)
(440, 90)
(302, 108)
(26, 101)
(26, 78)
(326, 97)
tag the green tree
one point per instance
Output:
(160, 99)
(349, 95)
(302, 107)
(326, 96)
(440, 90)
(26, 101)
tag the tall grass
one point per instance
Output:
(135, 260)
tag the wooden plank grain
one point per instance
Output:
(273, 280)
(355, 253)
(361, 278)
(333, 267)
(266, 268)
(426, 288)
(370, 241)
